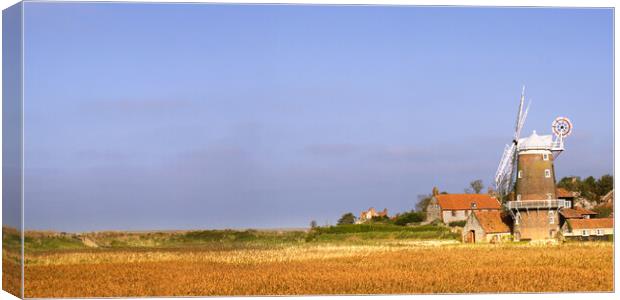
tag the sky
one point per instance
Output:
(11, 113)
(188, 116)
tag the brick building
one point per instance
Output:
(486, 226)
(457, 207)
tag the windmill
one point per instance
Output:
(527, 169)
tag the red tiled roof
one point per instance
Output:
(464, 201)
(591, 223)
(570, 213)
(492, 221)
(584, 211)
(563, 193)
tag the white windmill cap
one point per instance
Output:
(536, 141)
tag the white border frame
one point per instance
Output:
(502, 3)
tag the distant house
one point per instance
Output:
(486, 226)
(565, 194)
(578, 200)
(585, 213)
(608, 199)
(457, 207)
(588, 229)
(577, 213)
(370, 213)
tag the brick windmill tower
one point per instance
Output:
(526, 172)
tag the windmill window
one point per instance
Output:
(519, 197)
(551, 217)
(545, 156)
(599, 232)
(519, 174)
(547, 173)
(549, 196)
(585, 232)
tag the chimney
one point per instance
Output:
(435, 191)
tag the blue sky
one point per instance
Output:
(153, 116)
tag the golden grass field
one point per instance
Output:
(11, 279)
(321, 268)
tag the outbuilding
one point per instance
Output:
(486, 226)
(588, 229)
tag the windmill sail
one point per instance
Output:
(506, 170)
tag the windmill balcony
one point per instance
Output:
(537, 204)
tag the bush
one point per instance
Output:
(235, 236)
(354, 228)
(437, 222)
(457, 224)
(378, 231)
(381, 219)
(603, 211)
(410, 217)
(52, 242)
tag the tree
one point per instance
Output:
(476, 186)
(313, 224)
(604, 185)
(347, 218)
(570, 183)
(423, 201)
(589, 188)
